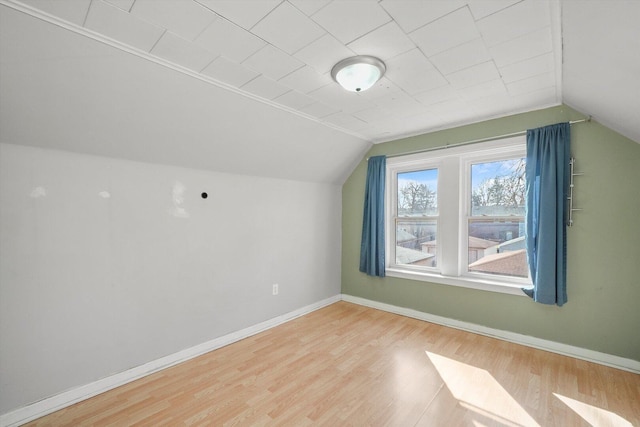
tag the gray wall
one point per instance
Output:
(93, 284)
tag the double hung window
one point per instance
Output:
(456, 216)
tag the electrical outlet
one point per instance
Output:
(275, 289)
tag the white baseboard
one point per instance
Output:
(529, 341)
(51, 404)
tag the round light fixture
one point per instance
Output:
(358, 73)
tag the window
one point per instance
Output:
(417, 218)
(496, 221)
(456, 216)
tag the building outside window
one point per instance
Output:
(456, 216)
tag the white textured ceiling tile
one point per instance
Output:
(373, 114)
(264, 87)
(382, 87)
(230, 40)
(496, 106)
(413, 72)
(355, 125)
(522, 48)
(287, 28)
(294, 99)
(399, 101)
(230, 72)
(306, 79)
(354, 104)
(408, 63)
(333, 95)
(374, 134)
(245, 13)
(413, 109)
(401, 126)
(528, 68)
(435, 96)
(309, 7)
(348, 20)
(323, 53)
(474, 75)
(448, 106)
(318, 109)
(514, 21)
(492, 102)
(119, 25)
(462, 56)
(272, 62)
(187, 19)
(543, 97)
(449, 31)
(425, 123)
(413, 14)
(182, 52)
(122, 4)
(535, 83)
(342, 119)
(417, 83)
(459, 118)
(384, 42)
(74, 11)
(443, 73)
(492, 88)
(452, 106)
(482, 8)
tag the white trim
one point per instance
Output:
(454, 172)
(605, 359)
(483, 284)
(54, 403)
(59, 401)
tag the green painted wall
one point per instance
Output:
(603, 312)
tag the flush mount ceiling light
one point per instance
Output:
(358, 73)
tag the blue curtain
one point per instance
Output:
(547, 181)
(372, 244)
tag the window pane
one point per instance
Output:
(497, 247)
(416, 243)
(497, 188)
(417, 193)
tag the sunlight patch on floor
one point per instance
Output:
(594, 415)
(479, 392)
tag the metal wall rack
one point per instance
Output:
(572, 172)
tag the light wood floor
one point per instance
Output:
(347, 365)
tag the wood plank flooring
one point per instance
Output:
(347, 365)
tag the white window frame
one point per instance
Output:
(454, 168)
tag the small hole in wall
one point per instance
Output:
(204, 195)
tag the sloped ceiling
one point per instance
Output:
(62, 90)
(601, 70)
(244, 86)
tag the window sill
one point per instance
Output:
(464, 282)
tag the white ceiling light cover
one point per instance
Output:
(358, 73)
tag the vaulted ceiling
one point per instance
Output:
(244, 86)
